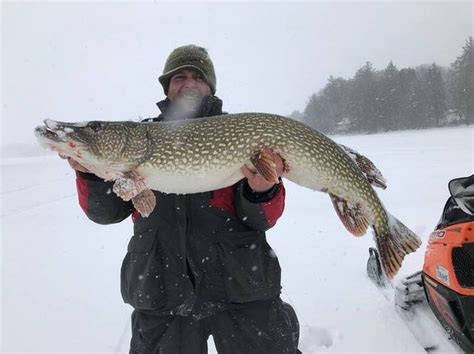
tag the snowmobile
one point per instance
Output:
(447, 279)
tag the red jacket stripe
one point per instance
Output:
(273, 209)
(82, 192)
(223, 199)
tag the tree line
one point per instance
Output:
(395, 99)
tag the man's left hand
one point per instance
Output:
(256, 181)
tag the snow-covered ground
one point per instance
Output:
(60, 272)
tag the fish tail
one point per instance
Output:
(394, 241)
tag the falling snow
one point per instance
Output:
(315, 252)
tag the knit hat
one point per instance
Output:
(188, 56)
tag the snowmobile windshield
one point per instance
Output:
(462, 191)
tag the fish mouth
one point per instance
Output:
(58, 132)
(49, 131)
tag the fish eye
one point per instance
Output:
(95, 126)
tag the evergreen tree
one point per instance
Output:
(435, 97)
(318, 114)
(463, 94)
(363, 106)
(328, 109)
(391, 95)
(394, 99)
(411, 110)
(449, 80)
(297, 115)
(336, 96)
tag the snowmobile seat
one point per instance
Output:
(452, 214)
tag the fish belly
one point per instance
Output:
(191, 182)
(307, 178)
(318, 178)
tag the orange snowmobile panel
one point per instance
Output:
(439, 256)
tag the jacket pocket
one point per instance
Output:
(141, 273)
(250, 268)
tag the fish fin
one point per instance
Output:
(352, 215)
(394, 245)
(144, 202)
(264, 163)
(372, 173)
(129, 185)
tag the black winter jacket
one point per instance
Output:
(196, 253)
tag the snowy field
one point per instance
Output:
(60, 272)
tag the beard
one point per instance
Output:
(186, 105)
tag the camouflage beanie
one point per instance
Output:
(185, 57)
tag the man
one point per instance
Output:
(200, 264)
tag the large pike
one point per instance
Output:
(204, 154)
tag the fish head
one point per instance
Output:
(93, 142)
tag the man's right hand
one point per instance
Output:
(74, 164)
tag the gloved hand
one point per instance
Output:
(257, 182)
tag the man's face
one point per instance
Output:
(188, 85)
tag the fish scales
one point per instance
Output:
(235, 139)
(196, 147)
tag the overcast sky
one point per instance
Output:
(101, 60)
